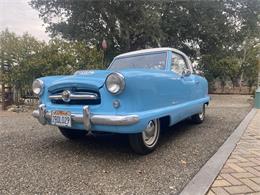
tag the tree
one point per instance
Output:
(196, 27)
(251, 65)
(126, 25)
(229, 68)
(14, 55)
(28, 58)
(62, 57)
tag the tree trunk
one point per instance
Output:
(3, 96)
(223, 86)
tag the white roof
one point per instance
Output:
(142, 51)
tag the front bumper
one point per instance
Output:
(87, 118)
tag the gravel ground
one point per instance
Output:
(37, 159)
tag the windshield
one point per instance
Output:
(148, 61)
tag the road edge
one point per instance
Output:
(202, 181)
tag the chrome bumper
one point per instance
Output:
(87, 118)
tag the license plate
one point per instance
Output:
(61, 118)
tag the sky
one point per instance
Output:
(19, 17)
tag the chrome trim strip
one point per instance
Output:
(114, 119)
(77, 118)
(87, 118)
(89, 96)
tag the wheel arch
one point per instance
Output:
(165, 121)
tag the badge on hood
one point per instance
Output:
(84, 72)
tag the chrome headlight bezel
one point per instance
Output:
(38, 87)
(115, 83)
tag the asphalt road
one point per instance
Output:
(37, 159)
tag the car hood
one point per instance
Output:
(92, 79)
(95, 79)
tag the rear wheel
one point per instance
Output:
(72, 133)
(199, 118)
(146, 141)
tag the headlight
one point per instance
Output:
(37, 87)
(115, 83)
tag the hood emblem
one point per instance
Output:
(66, 95)
(84, 72)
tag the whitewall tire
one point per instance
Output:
(146, 141)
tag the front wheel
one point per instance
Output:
(146, 142)
(199, 118)
(72, 133)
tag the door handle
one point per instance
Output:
(197, 82)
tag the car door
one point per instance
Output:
(183, 73)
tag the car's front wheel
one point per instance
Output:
(146, 142)
(72, 133)
(199, 118)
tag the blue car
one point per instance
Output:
(140, 92)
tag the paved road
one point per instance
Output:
(37, 159)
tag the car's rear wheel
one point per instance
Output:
(146, 141)
(199, 118)
(72, 133)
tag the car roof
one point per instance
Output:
(145, 51)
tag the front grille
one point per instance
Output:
(77, 102)
(76, 97)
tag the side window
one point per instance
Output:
(178, 64)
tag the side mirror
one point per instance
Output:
(186, 73)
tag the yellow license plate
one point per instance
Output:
(61, 118)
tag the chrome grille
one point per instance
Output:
(75, 97)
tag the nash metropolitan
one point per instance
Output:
(138, 93)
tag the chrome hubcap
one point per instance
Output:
(150, 134)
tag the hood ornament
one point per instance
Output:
(84, 72)
(66, 95)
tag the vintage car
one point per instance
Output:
(138, 93)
